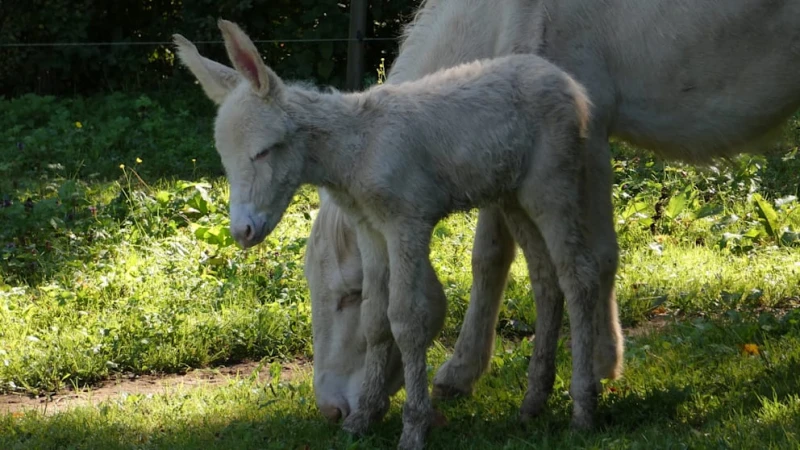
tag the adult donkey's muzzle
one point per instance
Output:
(248, 229)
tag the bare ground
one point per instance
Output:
(160, 384)
(144, 384)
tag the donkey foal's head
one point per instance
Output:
(253, 133)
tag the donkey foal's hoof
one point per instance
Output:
(412, 439)
(582, 420)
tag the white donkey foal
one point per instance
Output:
(399, 158)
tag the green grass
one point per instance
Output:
(107, 269)
(689, 386)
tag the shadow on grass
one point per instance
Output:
(685, 381)
(691, 392)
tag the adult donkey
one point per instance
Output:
(689, 79)
(333, 259)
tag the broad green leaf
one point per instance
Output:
(708, 210)
(675, 206)
(162, 197)
(753, 233)
(768, 216)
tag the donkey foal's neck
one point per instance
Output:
(334, 129)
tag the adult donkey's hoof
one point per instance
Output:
(452, 381)
(447, 392)
(532, 406)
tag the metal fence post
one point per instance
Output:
(355, 47)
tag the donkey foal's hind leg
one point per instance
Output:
(551, 196)
(549, 312)
(578, 277)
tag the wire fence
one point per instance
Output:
(257, 41)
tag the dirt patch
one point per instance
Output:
(162, 384)
(655, 324)
(145, 384)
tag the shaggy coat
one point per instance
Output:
(508, 133)
(689, 79)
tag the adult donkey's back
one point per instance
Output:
(689, 79)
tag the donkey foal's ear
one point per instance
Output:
(216, 79)
(247, 61)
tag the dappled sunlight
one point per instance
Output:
(684, 383)
(142, 281)
(680, 279)
(113, 271)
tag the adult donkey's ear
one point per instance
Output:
(215, 78)
(248, 62)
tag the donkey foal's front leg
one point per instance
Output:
(408, 311)
(373, 402)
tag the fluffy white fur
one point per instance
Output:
(508, 133)
(690, 79)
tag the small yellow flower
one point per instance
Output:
(122, 166)
(138, 160)
(78, 125)
(194, 160)
(750, 349)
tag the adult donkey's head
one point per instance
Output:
(252, 132)
(263, 157)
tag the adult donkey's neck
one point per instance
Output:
(334, 128)
(446, 33)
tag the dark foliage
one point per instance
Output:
(83, 69)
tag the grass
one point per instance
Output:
(115, 258)
(690, 386)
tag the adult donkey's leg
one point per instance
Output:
(409, 310)
(492, 255)
(374, 398)
(609, 344)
